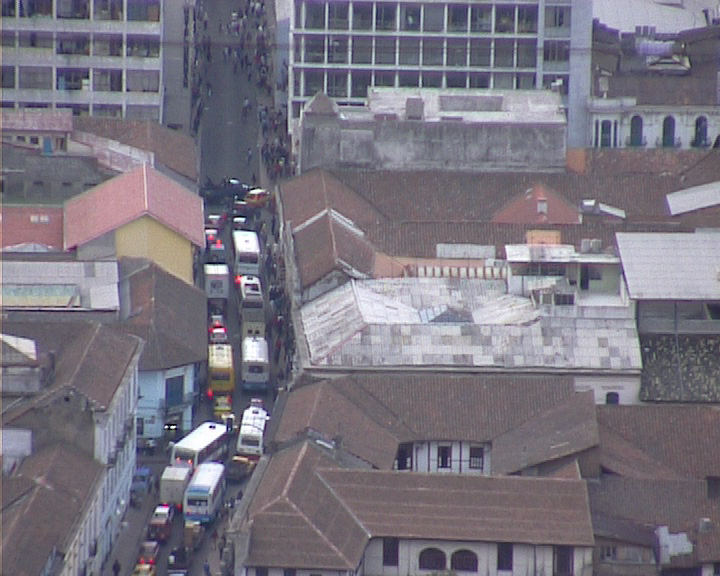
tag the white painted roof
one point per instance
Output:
(555, 253)
(694, 198)
(667, 266)
(389, 323)
(625, 15)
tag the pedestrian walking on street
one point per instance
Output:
(249, 155)
(206, 568)
(116, 567)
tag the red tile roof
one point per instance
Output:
(31, 224)
(127, 197)
(171, 148)
(528, 209)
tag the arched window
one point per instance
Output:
(668, 136)
(612, 398)
(605, 134)
(701, 127)
(636, 131)
(432, 559)
(464, 561)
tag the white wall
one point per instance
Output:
(425, 458)
(627, 387)
(151, 405)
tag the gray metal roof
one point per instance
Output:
(374, 323)
(694, 198)
(678, 266)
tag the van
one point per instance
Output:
(251, 295)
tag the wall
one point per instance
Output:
(627, 387)
(151, 404)
(425, 458)
(148, 238)
(405, 145)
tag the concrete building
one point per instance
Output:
(99, 57)
(435, 129)
(343, 48)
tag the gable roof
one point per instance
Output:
(167, 313)
(671, 266)
(31, 224)
(528, 209)
(465, 508)
(294, 507)
(49, 492)
(694, 198)
(142, 192)
(329, 242)
(684, 438)
(568, 428)
(170, 147)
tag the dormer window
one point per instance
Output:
(542, 206)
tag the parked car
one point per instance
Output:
(144, 570)
(141, 482)
(257, 197)
(149, 551)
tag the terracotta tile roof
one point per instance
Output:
(328, 244)
(317, 190)
(677, 504)
(51, 489)
(568, 428)
(343, 411)
(171, 148)
(455, 407)
(527, 209)
(465, 508)
(618, 456)
(31, 224)
(125, 198)
(684, 438)
(167, 313)
(296, 521)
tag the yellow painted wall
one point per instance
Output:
(148, 238)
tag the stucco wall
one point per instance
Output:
(148, 238)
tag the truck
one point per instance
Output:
(172, 485)
(217, 287)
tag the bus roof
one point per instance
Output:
(203, 435)
(220, 356)
(206, 475)
(254, 349)
(253, 421)
(245, 241)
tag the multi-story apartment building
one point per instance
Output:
(344, 47)
(96, 57)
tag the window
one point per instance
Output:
(432, 559)
(409, 51)
(636, 131)
(612, 398)
(480, 18)
(385, 16)
(557, 17)
(476, 457)
(337, 16)
(315, 15)
(480, 51)
(457, 18)
(504, 53)
(464, 561)
(362, 16)
(444, 456)
(404, 457)
(289, 572)
(527, 19)
(410, 17)
(434, 17)
(608, 552)
(432, 52)
(712, 484)
(563, 561)
(139, 426)
(362, 50)
(526, 53)
(456, 52)
(390, 551)
(384, 50)
(668, 134)
(701, 127)
(556, 51)
(605, 134)
(504, 556)
(174, 391)
(261, 571)
(360, 81)
(505, 19)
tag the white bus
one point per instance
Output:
(246, 251)
(209, 441)
(255, 364)
(252, 430)
(204, 496)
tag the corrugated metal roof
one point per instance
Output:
(694, 198)
(678, 266)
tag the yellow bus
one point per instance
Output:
(221, 377)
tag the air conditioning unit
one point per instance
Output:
(595, 245)
(585, 245)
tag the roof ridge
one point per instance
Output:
(342, 502)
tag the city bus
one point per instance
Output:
(207, 442)
(252, 430)
(204, 496)
(246, 252)
(255, 364)
(221, 377)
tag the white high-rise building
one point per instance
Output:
(342, 47)
(98, 57)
